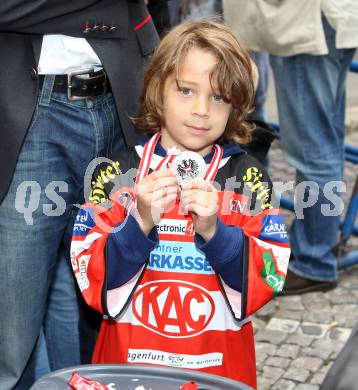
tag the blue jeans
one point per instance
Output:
(261, 60)
(310, 93)
(39, 324)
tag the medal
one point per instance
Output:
(189, 166)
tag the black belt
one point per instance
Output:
(80, 84)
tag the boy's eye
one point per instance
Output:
(186, 91)
(218, 98)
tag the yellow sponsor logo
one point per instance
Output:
(98, 193)
(253, 181)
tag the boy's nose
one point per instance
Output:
(201, 106)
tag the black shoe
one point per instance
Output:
(297, 285)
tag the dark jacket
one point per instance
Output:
(122, 53)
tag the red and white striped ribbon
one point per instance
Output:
(147, 155)
(214, 163)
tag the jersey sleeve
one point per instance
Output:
(266, 251)
(102, 216)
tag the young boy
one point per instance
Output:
(178, 266)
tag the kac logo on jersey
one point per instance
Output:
(173, 308)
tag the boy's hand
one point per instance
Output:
(154, 195)
(201, 199)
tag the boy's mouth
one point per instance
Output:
(197, 129)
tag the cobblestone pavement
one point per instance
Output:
(298, 337)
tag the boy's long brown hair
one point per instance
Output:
(233, 75)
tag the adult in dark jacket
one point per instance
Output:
(159, 9)
(47, 141)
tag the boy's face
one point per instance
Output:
(195, 115)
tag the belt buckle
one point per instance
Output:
(69, 82)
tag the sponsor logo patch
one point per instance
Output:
(274, 229)
(174, 360)
(238, 206)
(106, 174)
(176, 226)
(253, 182)
(83, 223)
(176, 256)
(270, 275)
(81, 275)
(173, 308)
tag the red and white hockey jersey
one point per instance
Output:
(177, 311)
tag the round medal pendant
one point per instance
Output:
(189, 165)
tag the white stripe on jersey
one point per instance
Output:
(78, 246)
(117, 297)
